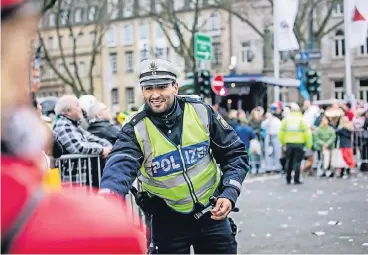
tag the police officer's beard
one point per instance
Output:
(160, 105)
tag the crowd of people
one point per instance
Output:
(339, 137)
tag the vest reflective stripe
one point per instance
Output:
(180, 175)
(171, 183)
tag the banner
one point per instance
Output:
(285, 12)
(358, 23)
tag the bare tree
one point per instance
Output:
(319, 26)
(47, 4)
(70, 75)
(177, 29)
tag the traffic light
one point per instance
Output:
(204, 83)
(313, 82)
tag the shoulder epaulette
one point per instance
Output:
(137, 117)
(190, 99)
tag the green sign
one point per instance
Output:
(202, 47)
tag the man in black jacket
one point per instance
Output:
(100, 123)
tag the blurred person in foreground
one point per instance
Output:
(295, 134)
(100, 123)
(34, 221)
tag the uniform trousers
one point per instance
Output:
(174, 233)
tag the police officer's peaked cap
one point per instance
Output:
(157, 72)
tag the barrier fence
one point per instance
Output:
(86, 171)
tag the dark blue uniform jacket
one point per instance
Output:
(126, 157)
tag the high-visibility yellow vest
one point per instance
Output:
(181, 175)
(294, 130)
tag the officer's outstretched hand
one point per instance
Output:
(222, 209)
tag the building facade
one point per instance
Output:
(131, 33)
(331, 64)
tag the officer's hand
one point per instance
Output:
(106, 151)
(222, 209)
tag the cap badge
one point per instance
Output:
(153, 67)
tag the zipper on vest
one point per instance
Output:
(187, 179)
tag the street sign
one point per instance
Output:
(202, 47)
(217, 85)
(314, 54)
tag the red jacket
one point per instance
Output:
(63, 222)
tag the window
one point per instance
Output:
(113, 61)
(178, 4)
(80, 39)
(51, 42)
(211, 2)
(92, 36)
(216, 54)
(129, 61)
(363, 50)
(128, 8)
(115, 96)
(214, 24)
(159, 32)
(71, 40)
(339, 49)
(145, 53)
(128, 34)
(92, 11)
(158, 6)
(111, 36)
(162, 53)
(338, 9)
(244, 52)
(61, 68)
(72, 68)
(130, 95)
(81, 69)
(78, 15)
(143, 31)
(42, 72)
(339, 89)
(112, 9)
(144, 6)
(363, 89)
(64, 16)
(52, 19)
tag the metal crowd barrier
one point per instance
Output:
(86, 171)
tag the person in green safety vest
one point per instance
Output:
(182, 153)
(295, 134)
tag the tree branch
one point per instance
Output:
(338, 24)
(47, 4)
(326, 19)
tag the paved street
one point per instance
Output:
(321, 216)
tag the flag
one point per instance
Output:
(358, 23)
(285, 13)
(36, 70)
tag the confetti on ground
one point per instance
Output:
(320, 192)
(284, 225)
(344, 237)
(332, 222)
(253, 235)
(289, 218)
(365, 244)
(241, 222)
(294, 190)
(319, 233)
(268, 235)
(314, 195)
(355, 184)
(334, 194)
(317, 224)
(322, 212)
(350, 240)
(331, 208)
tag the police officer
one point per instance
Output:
(295, 134)
(173, 145)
